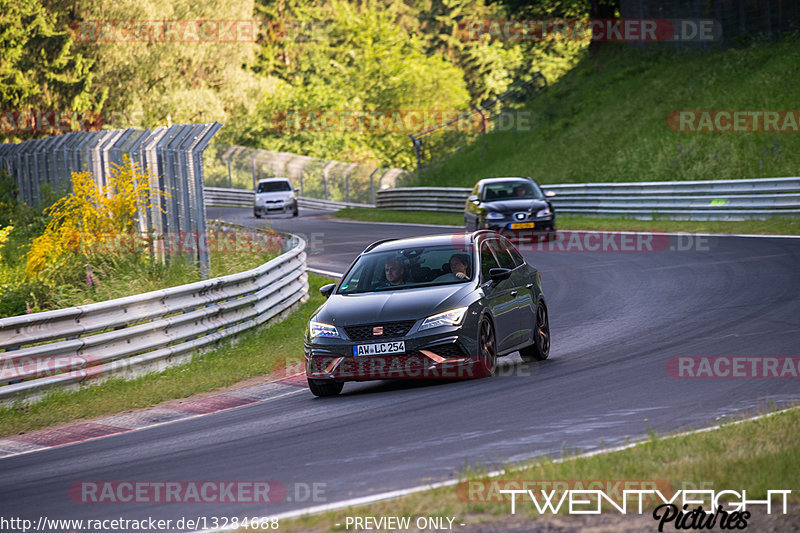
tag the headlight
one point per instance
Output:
(320, 329)
(454, 317)
(494, 215)
(544, 213)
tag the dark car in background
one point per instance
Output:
(509, 205)
(442, 306)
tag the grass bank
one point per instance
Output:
(773, 226)
(606, 120)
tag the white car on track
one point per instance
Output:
(274, 195)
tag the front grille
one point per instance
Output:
(390, 330)
(448, 350)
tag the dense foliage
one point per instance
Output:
(346, 57)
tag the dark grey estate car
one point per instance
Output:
(508, 205)
(441, 306)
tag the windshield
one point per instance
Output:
(409, 268)
(274, 186)
(510, 190)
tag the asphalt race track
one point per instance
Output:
(617, 317)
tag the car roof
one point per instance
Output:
(264, 180)
(509, 178)
(457, 239)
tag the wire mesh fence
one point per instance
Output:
(504, 113)
(238, 167)
(173, 156)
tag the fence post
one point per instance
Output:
(372, 186)
(254, 170)
(227, 156)
(417, 147)
(483, 119)
(347, 182)
(325, 171)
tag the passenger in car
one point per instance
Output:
(459, 268)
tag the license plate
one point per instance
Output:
(522, 225)
(380, 348)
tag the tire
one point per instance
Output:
(256, 215)
(295, 212)
(540, 349)
(487, 349)
(324, 387)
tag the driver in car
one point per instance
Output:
(395, 272)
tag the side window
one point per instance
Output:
(506, 261)
(518, 259)
(515, 255)
(503, 255)
(488, 261)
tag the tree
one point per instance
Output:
(39, 67)
(351, 59)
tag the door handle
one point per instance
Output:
(513, 293)
(529, 285)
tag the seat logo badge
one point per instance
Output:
(520, 216)
(377, 330)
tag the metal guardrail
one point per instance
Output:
(314, 203)
(698, 200)
(450, 199)
(130, 336)
(219, 197)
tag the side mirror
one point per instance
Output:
(549, 194)
(474, 199)
(499, 274)
(296, 189)
(327, 290)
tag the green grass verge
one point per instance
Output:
(606, 120)
(113, 275)
(370, 214)
(757, 455)
(257, 352)
(773, 226)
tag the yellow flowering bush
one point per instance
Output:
(90, 215)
